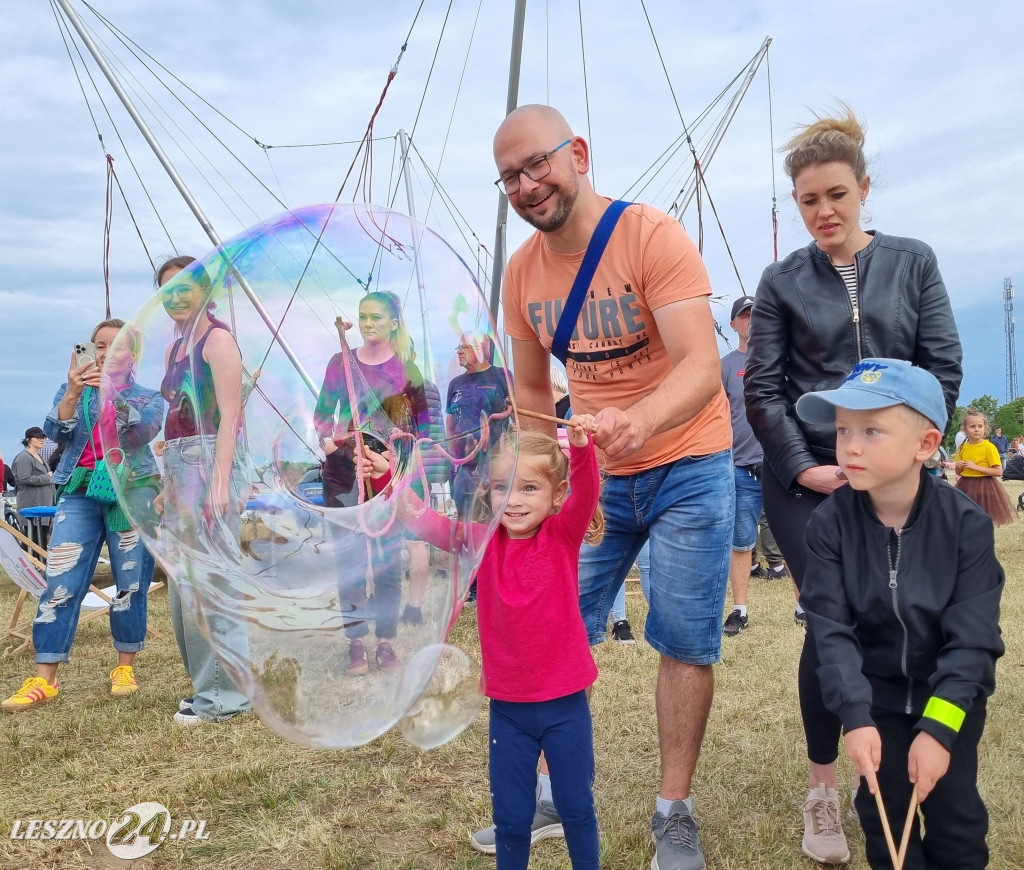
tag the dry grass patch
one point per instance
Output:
(388, 806)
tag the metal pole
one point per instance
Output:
(679, 207)
(403, 141)
(182, 189)
(511, 102)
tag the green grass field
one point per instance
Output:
(270, 804)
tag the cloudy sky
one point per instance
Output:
(940, 85)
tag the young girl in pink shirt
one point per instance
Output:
(536, 681)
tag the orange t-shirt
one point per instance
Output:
(616, 355)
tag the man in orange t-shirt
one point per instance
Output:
(644, 361)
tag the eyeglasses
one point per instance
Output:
(463, 347)
(535, 170)
(185, 292)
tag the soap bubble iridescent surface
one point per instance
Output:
(280, 583)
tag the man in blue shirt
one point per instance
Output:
(1001, 443)
(747, 457)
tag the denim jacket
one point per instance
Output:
(138, 423)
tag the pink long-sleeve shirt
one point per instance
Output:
(532, 638)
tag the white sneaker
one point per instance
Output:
(187, 717)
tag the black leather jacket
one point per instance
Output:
(900, 619)
(805, 334)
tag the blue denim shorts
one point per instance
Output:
(748, 509)
(686, 510)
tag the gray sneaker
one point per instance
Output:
(676, 840)
(546, 824)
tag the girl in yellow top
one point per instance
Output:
(977, 463)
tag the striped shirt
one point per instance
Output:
(849, 276)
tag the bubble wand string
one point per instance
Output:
(346, 359)
(418, 445)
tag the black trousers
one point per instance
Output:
(788, 514)
(955, 818)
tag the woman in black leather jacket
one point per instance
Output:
(848, 295)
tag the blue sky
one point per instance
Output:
(938, 85)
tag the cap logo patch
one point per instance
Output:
(867, 372)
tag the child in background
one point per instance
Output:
(536, 681)
(902, 597)
(979, 467)
(622, 631)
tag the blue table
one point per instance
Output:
(274, 502)
(35, 527)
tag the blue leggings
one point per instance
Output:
(518, 733)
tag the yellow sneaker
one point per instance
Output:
(33, 692)
(122, 681)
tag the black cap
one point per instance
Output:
(741, 305)
(33, 432)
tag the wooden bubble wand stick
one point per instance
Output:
(547, 418)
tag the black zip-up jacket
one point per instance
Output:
(806, 334)
(905, 622)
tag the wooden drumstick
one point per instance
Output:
(893, 854)
(905, 841)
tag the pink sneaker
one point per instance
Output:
(358, 661)
(824, 840)
(387, 659)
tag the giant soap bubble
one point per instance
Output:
(301, 583)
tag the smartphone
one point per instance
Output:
(85, 352)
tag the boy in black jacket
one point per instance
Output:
(902, 597)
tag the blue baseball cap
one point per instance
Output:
(879, 383)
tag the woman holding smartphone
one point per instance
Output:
(130, 417)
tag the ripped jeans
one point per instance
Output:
(79, 532)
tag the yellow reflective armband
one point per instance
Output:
(942, 711)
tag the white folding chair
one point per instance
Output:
(28, 571)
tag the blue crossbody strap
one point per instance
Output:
(578, 293)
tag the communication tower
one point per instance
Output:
(1011, 352)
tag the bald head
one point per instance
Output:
(546, 167)
(534, 120)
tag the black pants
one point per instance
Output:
(788, 514)
(955, 817)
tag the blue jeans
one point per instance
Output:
(187, 464)
(518, 732)
(383, 563)
(643, 564)
(686, 510)
(79, 532)
(748, 509)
